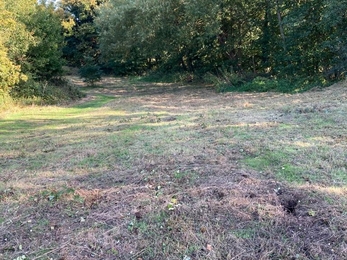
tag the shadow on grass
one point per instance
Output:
(194, 176)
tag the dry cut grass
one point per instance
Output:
(166, 171)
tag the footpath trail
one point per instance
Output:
(172, 171)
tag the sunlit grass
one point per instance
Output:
(186, 170)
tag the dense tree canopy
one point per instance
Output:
(269, 39)
(14, 43)
(45, 56)
(30, 44)
(274, 38)
(81, 37)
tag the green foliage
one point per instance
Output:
(14, 33)
(275, 40)
(91, 73)
(30, 46)
(284, 46)
(262, 84)
(9, 72)
(152, 33)
(14, 43)
(224, 79)
(6, 101)
(304, 54)
(334, 25)
(284, 85)
(45, 57)
(46, 92)
(81, 35)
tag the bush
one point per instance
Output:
(6, 101)
(91, 73)
(261, 84)
(48, 92)
(288, 85)
(225, 81)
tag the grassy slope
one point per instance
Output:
(174, 172)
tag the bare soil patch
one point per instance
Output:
(170, 171)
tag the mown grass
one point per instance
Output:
(175, 172)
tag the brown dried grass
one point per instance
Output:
(159, 173)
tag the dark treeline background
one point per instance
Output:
(285, 45)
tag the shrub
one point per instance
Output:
(91, 73)
(230, 81)
(5, 100)
(287, 85)
(261, 84)
(46, 92)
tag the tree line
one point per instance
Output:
(254, 44)
(241, 40)
(30, 44)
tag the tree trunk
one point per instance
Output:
(279, 17)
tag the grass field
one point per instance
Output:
(167, 171)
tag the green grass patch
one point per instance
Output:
(99, 101)
(245, 233)
(279, 163)
(290, 173)
(339, 176)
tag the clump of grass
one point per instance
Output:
(224, 80)
(158, 76)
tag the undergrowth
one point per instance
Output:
(6, 101)
(56, 91)
(166, 77)
(226, 80)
